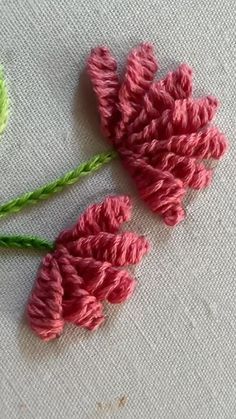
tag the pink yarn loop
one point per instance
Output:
(84, 270)
(159, 130)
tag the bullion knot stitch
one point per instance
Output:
(162, 134)
(85, 269)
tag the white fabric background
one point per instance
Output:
(171, 351)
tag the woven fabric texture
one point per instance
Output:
(169, 352)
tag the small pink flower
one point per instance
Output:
(83, 270)
(159, 130)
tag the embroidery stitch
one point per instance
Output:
(83, 270)
(159, 130)
(160, 133)
(25, 242)
(4, 103)
(46, 191)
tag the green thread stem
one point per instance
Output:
(25, 242)
(46, 191)
(4, 103)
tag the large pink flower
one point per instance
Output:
(159, 130)
(83, 270)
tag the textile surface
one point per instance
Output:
(170, 352)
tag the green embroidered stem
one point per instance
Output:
(25, 242)
(4, 103)
(46, 191)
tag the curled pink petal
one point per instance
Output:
(204, 144)
(186, 116)
(78, 275)
(107, 216)
(162, 192)
(102, 69)
(119, 250)
(162, 133)
(140, 71)
(178, 83)
(155, 101)
(45, 304)
(83, 310)
(100, 279)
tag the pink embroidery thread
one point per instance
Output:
(159, 130)
(161, 134)
(83, 270)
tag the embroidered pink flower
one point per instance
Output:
(159, 130)
(84, 269)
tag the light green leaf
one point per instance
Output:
(4, 103)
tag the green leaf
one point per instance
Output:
(4, 103)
